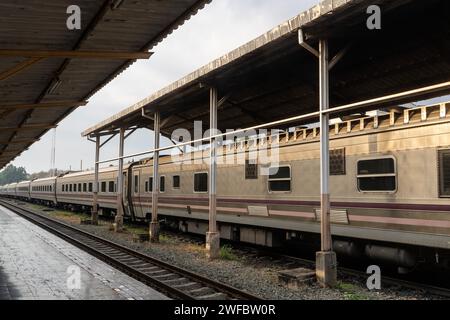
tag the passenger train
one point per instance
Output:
(389, 185)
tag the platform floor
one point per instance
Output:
(35, 264)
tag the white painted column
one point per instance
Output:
(213, 236)
(118, 226)
(94, 212)
(154, 224)
(325, 259)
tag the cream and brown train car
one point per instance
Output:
(77, 189)
(390, 183)
(23, 190)
(44, 190)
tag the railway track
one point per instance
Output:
(175, 282)
(292, 262)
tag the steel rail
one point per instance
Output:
(57, 227)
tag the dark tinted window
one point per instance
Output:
(377, 184)
(176, 182)
(146, 186)
(280, 173)
(162, 184)
(111, 186)
(136, 184)
(103, 186)
(201, 182)
(377, 175)
(377, 166)
(90, 186)
(150, 184)
(84, 187)
(279, 179)
(444, 173)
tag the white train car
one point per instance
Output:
(77, 188)
(23, 190)
(44, 190)
(11, 189)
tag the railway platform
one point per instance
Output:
(37, 265)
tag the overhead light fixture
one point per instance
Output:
(115, 4)
(54, 86)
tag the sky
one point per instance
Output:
(219, 28)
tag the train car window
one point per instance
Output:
(111, 186)
(444, 173)
(90, 186)
(200, 182)
(251, 170)
(377, 175)
(279, 179)
(150, 184)
(79, 187)
(146, 186)
(103, 186)
(337, 162)
(51, 188)
(70, 187)
(176, 182)
(136, 184)
(162, 184)
(84, 187)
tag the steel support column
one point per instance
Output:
(213, 236)
(325, 259)
(118, 225)
(154, 224)
(94, 212)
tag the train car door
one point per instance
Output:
(125, 196)
(136, 189)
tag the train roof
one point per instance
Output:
(44, 179)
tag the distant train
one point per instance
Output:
(390, 189)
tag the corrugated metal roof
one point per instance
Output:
(272, 77)
(132, 26)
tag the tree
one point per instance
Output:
(13, 174)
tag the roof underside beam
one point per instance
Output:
(76, 54)
(18, 68)
(29, 127)
(18, 141)
(42, 105)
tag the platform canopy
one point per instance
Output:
(272, 77)
(47, 70)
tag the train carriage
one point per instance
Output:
(23, 190)
(11, 189)
(44, 191)
(77, 188)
